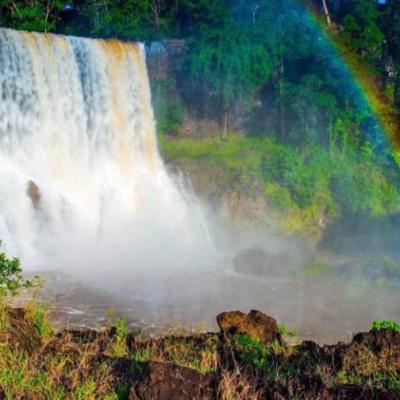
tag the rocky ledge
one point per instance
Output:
(248, 359)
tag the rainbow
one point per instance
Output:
(382, 121)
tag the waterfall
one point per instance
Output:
(81, 178)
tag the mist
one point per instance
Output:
(88, 203)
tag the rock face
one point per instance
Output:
(255, 324)
(164, 58)
(171, 382)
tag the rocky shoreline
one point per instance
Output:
(249, 358)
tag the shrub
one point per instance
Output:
(284, 330)
(119, 346)
(11, 279)
(380, 325)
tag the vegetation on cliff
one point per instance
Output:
(307, 188)
(280, 72)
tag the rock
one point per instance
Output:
(351, 392)
(257, 262)
(33, 192)
(171, 382)
(252, 261)
(384, 344)
(255, 324)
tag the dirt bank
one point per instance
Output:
(248, 359)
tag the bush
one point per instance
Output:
(385, 324)
(11, 279)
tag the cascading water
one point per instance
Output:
(81, 180)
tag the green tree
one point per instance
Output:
(11, 279)
(31, 15)
(391, 27)
(361, 29)
(225, 61)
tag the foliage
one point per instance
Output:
(169, 110)
(118, 346)
(31, 15)
(361, 29)
(251, 351)
(11, 279)
(202, 357)
(284, 330)
(302, 185)
(37, 315)
(381, 325)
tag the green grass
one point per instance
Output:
(284, 330)
(118, 347)
(37, 315)
(251, 351)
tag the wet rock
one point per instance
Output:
(33, 192)
(258, 262)
(255, 324)
(252, 261)
(171, 382)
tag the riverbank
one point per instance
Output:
(249, 358)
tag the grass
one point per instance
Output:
(37, 363)
(118, 346)
(285, 331)
(202, 356)
(37, 315)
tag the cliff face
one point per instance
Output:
(216, 187)
(165, 58)
(171, 98)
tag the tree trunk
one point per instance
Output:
(326, 11)
(225, 131)
(156, 9)
(397, 89)
(282, 122)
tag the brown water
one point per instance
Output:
(326, 310)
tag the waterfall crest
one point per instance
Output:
(80, 171)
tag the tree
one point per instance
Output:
(361, 29)
(391, 27)
(11, 279)
(31, 15)
(225, 61)
(326, 11)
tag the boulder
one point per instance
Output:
(255, 324)
(171, 382)
(33, 192)
(257, 262)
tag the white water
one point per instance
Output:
(82, 185)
